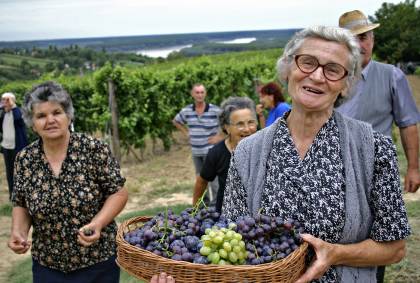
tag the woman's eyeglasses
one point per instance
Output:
(242, 125)
(308, 64)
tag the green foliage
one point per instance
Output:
(148, 98)
(398, 37)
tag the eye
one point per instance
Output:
(39, 115)
(333, 68)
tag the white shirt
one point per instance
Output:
(8, 141)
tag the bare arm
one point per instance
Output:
(182, 128)
(21, 223)
(199, 188)
(216, 138)
(112, 207)
(410, 142)
(363, 254)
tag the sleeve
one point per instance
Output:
(234, 201)
(20, 181)
(180, 117)
(404, 107)
(283, 107)
(17, 117)
(108, 170)
(390, 217)
(209, 170)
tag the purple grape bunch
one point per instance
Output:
(178, 236)
(268, 238)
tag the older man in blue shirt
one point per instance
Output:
(383, 96)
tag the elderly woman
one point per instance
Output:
(68, 187)
(13, 134)
(237, 120)
(271, 97)
(331, 173)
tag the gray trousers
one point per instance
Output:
(213, 186)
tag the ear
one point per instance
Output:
(226, 129)
(344, 92)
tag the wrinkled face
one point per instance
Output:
(242, 124)
(49, 120)
(7, 102)
(366, 41)
(199, 94)
(313, 92)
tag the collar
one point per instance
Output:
(366, 69)
(205, 109)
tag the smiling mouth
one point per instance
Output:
(309, 89)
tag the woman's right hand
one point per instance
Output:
(162, 278)
(19, 244)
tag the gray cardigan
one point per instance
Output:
(357, 148)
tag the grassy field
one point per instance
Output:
(15, 60)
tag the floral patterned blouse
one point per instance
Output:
(312, 190)
(59, 206)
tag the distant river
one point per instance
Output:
(164, 52)
(239, 40)
(161, 52)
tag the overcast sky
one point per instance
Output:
(52, 19)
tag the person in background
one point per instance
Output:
(333, 174)
(271, 97)
(69, 188)
(13, 130)
(237, 120)
(383, 96)
(199, 122)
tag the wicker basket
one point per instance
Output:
(143, 264)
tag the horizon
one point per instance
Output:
(34, 20)
(146, 35)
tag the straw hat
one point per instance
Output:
(356, 22)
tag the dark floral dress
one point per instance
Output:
(61, 205)
(312, 190)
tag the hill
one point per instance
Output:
(133, 43)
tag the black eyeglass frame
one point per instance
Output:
(296, 57)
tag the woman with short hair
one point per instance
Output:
(333, 174)
(237, 120)
(69, 188)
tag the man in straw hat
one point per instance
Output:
(383, 96)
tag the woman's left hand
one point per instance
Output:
(323, 259)
(88, 234)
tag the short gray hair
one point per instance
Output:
(9, 95)
(232, 104)
(335, 34)
(44, 92)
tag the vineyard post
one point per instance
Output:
(114, 121)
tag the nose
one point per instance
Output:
(246, 128)
(50, 119)
(318, 74)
